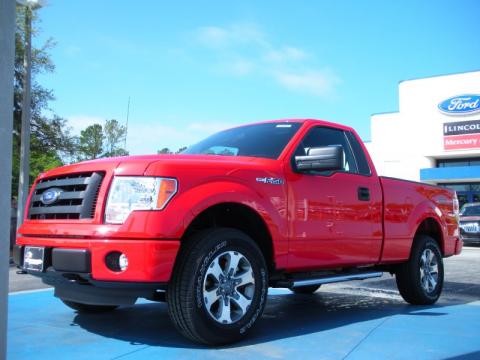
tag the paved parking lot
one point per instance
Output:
(357, 320)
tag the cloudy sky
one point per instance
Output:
(191, 68)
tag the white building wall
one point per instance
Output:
(404, 142)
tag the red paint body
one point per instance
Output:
(315, 222)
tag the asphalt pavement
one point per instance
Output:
(355, 320)
(462, 281)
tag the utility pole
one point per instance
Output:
(7, 55)
(24, 178)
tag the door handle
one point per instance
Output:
(363, 194)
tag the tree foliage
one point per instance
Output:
(166, 150)
(51, 142)
(98, 141)
(91, 142)
(115, 134)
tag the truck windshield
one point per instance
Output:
(265, 140)
(472, 210)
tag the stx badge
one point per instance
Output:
(270, 180)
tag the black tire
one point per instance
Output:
(409, 278)
(186, 295)
(305, 289)
(86, 308)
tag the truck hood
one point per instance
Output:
(162, 164)
(136, 165)
(207, 164)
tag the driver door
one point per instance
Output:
(335, 216)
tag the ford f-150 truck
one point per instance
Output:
(290, 203)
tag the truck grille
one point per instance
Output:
(470, 227)
(72, 196)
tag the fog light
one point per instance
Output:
(116, 261)
(123, 262)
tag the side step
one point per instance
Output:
(329, 279)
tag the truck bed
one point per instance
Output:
(406, 205)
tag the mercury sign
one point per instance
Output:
(461, 135)
(461, 104)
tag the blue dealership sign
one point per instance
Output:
(461, 104)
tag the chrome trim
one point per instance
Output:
(339, 278)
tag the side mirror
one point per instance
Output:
(321, 159)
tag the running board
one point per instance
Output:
(330, 279)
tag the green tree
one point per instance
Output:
(51, 142)
(114, 136)
(90, 144)
(164, 151)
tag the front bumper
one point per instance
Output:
(81, 288)
(149, 261)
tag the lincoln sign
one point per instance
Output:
(461, 135)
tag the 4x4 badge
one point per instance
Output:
(270, 180)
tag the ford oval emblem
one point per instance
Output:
(461, 104)
(50, 196)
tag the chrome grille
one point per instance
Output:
(76, 199)
(470, 227)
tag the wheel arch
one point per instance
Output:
(237, 216)
(431, 227)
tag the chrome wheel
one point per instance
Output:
(428, 270)
(228, 287)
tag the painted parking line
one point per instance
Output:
(29, 291)
(324, 326)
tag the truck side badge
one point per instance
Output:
(270, 180)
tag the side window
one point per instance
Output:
(324, 136)
(359, 153)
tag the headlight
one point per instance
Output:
(130, 193)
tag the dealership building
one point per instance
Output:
(435, 135)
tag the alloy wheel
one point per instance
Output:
(428, 271)
(228, 287)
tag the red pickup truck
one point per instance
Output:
(290, 203)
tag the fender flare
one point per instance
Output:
(426, 210)
(204, 196)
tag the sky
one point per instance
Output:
(191, 68)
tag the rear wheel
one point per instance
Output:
(86, 308)
(219, 287)
(420, 280)
(305, 289)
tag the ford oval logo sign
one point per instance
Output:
(50, 196)
(461, 104)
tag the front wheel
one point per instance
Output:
(219, 287)
(420, 280)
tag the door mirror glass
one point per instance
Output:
(327, 158)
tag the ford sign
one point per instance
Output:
(50, 196)
(461, 104)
